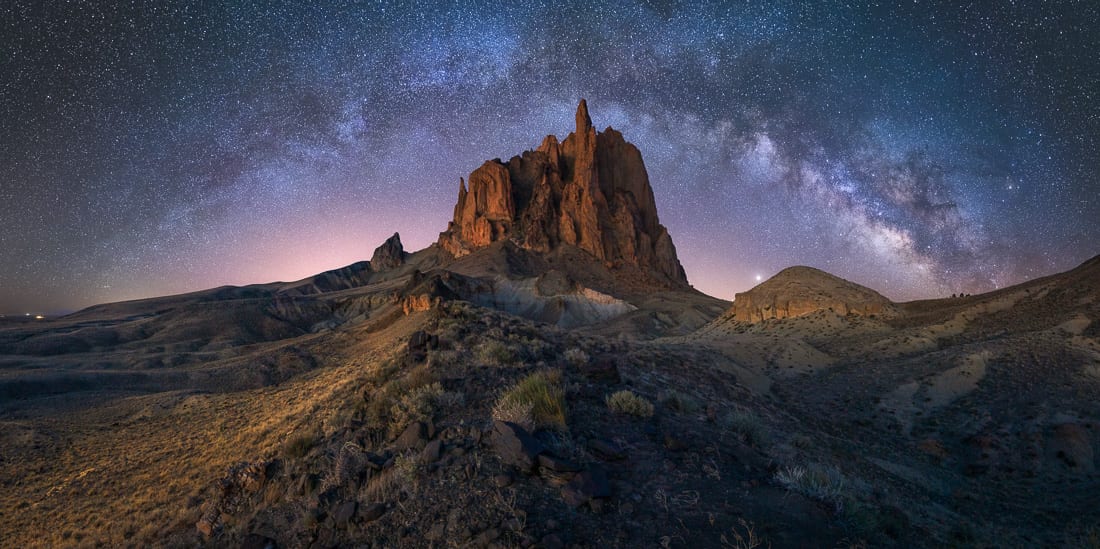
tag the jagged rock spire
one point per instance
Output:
(583, 120)
(590, 191)
(389, 255)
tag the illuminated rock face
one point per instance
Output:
(590, 191)
(799, 291)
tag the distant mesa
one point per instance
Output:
(590, 191)
(798, 291)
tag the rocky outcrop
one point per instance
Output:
(390, 255)
(590, 191)
(798, 291)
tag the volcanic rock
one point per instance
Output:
(515, 446)
(590, 191)
(390, 255)
(798, 291)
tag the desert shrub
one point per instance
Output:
(495, 353)
(744, 537)
(749, 427)
(576, 357)
(408, 469)
(419, 404)
(626, 402)
(299, 446)
(540, 395)
(823, 483)
(349, 461)
(515, 411)
(679, 402)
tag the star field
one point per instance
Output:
(921, 149)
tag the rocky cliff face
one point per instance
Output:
(590, 191)
(797, 291)
(390, 255)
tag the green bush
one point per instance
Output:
(626, 402)
(536, 402)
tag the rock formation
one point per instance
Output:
(590, 191)
(390, 255)
(798, 291)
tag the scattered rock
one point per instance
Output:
(436, 532)
(414, 437)
(675, 443)
(557, 464)
(515, 446)
(502, 480)
(1072, 444)
(256, 541)
(933, 447)
(586, 486)
(373, 512)
(551, 541)
(601, 369)
(606, 450)
(344, 512)
(431, 452)
(486, 537)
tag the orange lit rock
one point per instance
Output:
(591, 191)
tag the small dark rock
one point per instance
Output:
(551, 541)
(414, 437)
(256, 541)
(515, 446)
(432, 451)
(557, 464)
(486, 537)
(601, 369)
(586, 486)
(606, 450)
(675, 443)
(437, 531)
(502, 480)
(344, 513)
(373, 512)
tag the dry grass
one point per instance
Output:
(539, 396)
(626, 402)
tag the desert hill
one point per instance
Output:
(543, 376)
(797, 291)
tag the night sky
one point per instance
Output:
(920, 149)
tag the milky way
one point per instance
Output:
(921, 149)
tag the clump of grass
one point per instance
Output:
(744, 537)
(823, 483)
(749, 427)
(626, 402)
(576, 357)
(515, 411)
(539, 397)
(417, 405)
(495, 353)
(298, 446)
(679, 402)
